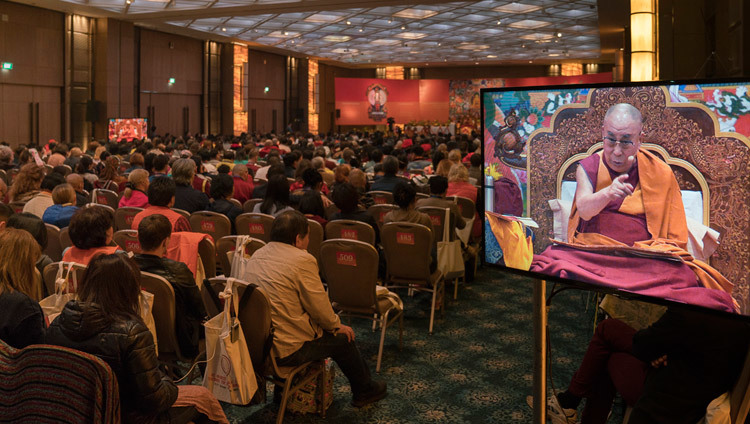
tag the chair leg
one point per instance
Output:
(432, 309)
(284, 399)
(400, 330)
(383, 327)
(455, 288)
(374, 322)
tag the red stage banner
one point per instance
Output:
(364, 101)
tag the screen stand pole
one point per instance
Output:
(540, 352)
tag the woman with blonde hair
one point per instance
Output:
(459, 185)
(21, 317)
(444, 168)
(135, 190)
(27, 183)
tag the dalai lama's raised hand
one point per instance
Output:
(619, 189)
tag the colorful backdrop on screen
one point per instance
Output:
(127, 129)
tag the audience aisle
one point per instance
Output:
(475, 368)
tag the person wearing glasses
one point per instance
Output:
(628, 197)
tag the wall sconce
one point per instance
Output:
(643, 40)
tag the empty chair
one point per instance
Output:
(124, 217)
(127, 240)
(250, 204)
(214, 224)
(256, 225)
(351, 271)
(437, 217)
(105, 197)
(43, 383)
(465, 205)
(407, 254)
(54, 249)
(50, 275)
(350, 229)
(378, 212)
(207, 252)
(381, 197)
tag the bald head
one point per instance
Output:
(240, 170)
(75, 180)
(624, 112)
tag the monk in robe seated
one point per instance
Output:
(627, 197)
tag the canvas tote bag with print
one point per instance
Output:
(229, 371)
(450, 259)
(53, 304)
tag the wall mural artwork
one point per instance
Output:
(377, 95)
(463, 103)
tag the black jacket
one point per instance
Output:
(21, 320)
(189, 199)
(128, 347)
(189, 309)
(226, 208)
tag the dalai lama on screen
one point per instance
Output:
(628, 198)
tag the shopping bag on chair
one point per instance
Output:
(229, 371)
(147, 306)
(53, 304)
(240, 259)
(450, 259)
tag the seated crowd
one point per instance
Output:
(293, 178)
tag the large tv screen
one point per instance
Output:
(127, 129)
(640, 188)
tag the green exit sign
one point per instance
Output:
(7, 65)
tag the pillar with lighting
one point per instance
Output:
(643, 40)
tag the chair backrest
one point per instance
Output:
(207, 252)
(378, 212)
(250, 204)
(422, 196)
(228, 244)
(105, 197)
(350, 268)
(54, 249)
(316, 238)
(407, 250)
(124, 217)
(437, 217)
(212, 223)
(465, 205)
(48, 382)
(350, 229)
(127, 240)
(50, 275)
(182, 212)
(163, 312)
(381, 197)
(99, 205)
(65, 241)
(255, 318)
(257, 225)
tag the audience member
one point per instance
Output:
(5, 213)
(33, 225)
(109, 176)
(161, 192)
(91, 231)
(311, 206)
(459, 185)
(6, 158)
(306, 328)
(347, 200)
(389, 180)
(136, 162)
(438, 188)
(21, 317)
(60, 213)
(77, 182)
(221, 191)
(153, 235)
(276, 200)
(27, 183)
(135, 190)
(405, 196)
(104, 321)
(43, 198)
(160, 166)
(475, 171)
(186, 197)
(243, 184)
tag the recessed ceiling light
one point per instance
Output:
(403, 27)
(491, 56)
(559, 34)
(223, 29)
(361, 29)
(337, 38)
(499, 22)
(415, 13)
(517, 8)
(128, 1)
(440, 44)
(531, 61)
(476, 63)
(348, 22)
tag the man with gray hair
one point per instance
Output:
(186, 197)
(243, 184)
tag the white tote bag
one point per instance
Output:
(240, 260)
(53, 304)
(229, 371)
(450, 259)
(147, 306)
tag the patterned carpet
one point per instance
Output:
(475, 368)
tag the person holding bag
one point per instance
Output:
(21, 318)
(105, 321)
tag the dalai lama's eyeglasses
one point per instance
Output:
(624, 144)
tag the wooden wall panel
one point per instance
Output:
(159, 62)
(266, 70)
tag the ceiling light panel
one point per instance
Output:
(517, 8)
(415, 13)
(528, 24)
